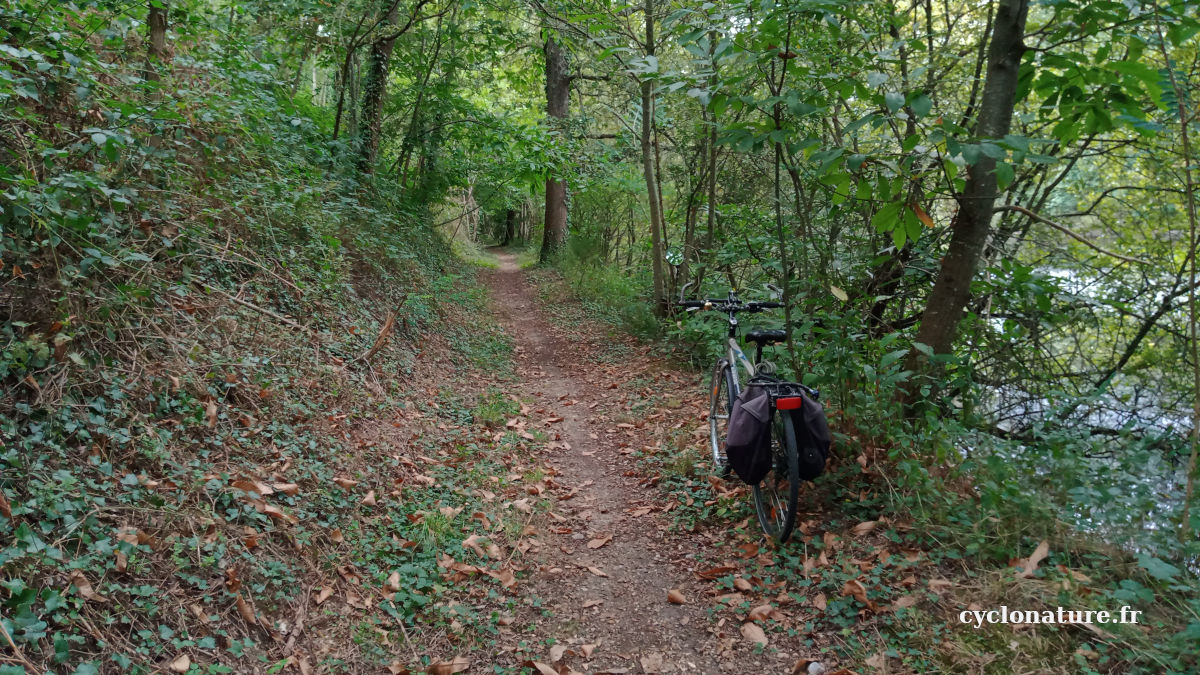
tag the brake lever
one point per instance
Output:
(683, 290)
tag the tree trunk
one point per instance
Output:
(374, 90)
(971, 227)
(510, 227)
(558, 90)
(157, 23)
(648, 166)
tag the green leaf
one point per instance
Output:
(894, 100)
(921, 105)
(1157, 568)
(1004, 175)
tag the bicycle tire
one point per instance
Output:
(777, 494)
(720, 394)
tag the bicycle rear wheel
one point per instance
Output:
(776, 495)
(720, 402)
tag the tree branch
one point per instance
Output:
(1070, 233)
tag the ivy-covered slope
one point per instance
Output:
(202, 319)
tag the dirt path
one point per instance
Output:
(626, 614)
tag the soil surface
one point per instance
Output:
(612, 555)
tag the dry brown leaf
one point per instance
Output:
(246, 611)
(557, 652)
(181, 664)
(494, 551)
(369, 500)
(1029, 565)
(716, 572)
(345, 483)
(939, 585)
(541, 668)
(210, 413)
(819, 601)
(289, 489)
(597, 571)
(336, 536)
(393, 582)
(326, 591)
(905, 601)
(864, 528)
(84, 587)
(764, 612)
(457, 665)
(472, 543)
(855, 589)
(742, 585)
(588, 604)
(599, 541)
(587, 650)
(753, 633)
(878, 661)
(652, 663)
(304, 666)
(674, 596)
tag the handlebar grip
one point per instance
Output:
(690, 303)
(768, 305)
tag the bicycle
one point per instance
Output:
(776, 495)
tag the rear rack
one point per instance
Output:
(777, 388)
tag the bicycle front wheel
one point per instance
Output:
(776, 495)
(720, 402)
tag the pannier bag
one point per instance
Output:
(748, 441)
(812, 437)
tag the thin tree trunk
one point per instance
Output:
(558, 91)
(156, 21)
(374, 91)
(648, 166)
(952, 290)
(510, 227)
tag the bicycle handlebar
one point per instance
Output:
(726, 306)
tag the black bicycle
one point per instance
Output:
(776, 495)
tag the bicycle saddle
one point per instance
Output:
(766, 336)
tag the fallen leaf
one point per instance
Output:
(587, 650)
(599, 541)
(472, 542)
(84, 587)
(939, 585)
(457, 665)
(398, 668)
(716, 572)
(289, 489)
(1029, 565)
(324, 594)
(393, 582)
(336, 536)
(742, 585)
(345, 483)
(369, 500)
(905, 601)
(210, 413)
(556, 653)
(864, 528)
(878, 661)
(753, 633)
(541, 667)
(181, 664)
(675, 597)
(855, 589)
(597, 571)
(587, 604)
(246, 611)
(819, 601)
(764, 612)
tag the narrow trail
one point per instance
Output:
(626, 614)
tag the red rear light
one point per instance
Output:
(789, 403)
